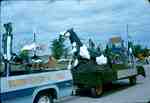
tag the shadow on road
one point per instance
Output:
(109, 89)
(115, 87)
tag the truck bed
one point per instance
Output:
(89, 74)
(92, 74)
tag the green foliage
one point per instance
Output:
(130, 44)
(137, 49)
(66, 50)
(57, 48)
(116, 56)
(24, 54)
(146, 52)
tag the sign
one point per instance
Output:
(115, 39)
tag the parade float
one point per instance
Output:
(92, 69)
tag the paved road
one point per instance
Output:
(118, 93)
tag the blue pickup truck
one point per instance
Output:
(25, 83)
(38, 86)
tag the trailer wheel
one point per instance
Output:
(132, 80)
(97, 91)
(43, 98)
(77, 92)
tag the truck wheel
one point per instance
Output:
(97, 91)
(43, 98)
(132, 80)
(77, 92)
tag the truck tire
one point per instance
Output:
(132, 80)
(77, 92)
(97, 91)
(43, 98)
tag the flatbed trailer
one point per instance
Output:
(94, 77)
(120, 65)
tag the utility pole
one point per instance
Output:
(0, 48)
(127, 32)
(0, 42)
(128, 36)
(34, 41)
(128, 41)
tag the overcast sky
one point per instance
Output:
(96, 19)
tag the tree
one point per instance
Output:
(137, 49)
(140, 52)
(146, 52)
(66, 51)
(57, 48)
(24, 55)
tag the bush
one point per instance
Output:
(57, 48)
